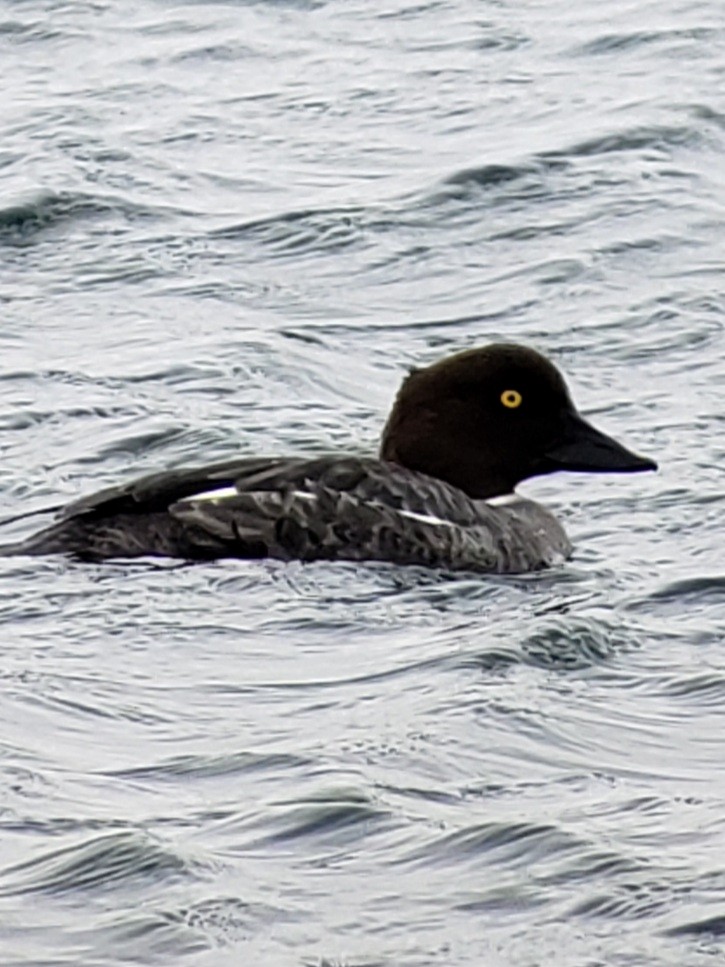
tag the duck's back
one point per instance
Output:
(327, 508)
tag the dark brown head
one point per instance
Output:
(485, 419)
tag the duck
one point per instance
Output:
(463, 432)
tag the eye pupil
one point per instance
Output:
(511, 398)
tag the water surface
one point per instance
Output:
(228, 228)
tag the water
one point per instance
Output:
(228, 228)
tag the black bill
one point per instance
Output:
(582, 447)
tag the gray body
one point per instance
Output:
(326, 508)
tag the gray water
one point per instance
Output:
(228, 228)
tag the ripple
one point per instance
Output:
(707, 589)
(26, 217)
(337, 818)
(638, 39)
(713, 926)
(116, 860)
(204, 766)
(638, 138)
(29, 32)
(523, 181)
(567, 644)
(301, 232)
(231, 920)
(509, 844)
(531, 178)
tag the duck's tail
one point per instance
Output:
(21, 548)
(39, 543)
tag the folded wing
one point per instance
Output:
(325, 508)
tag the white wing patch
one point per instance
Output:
(219, 494)
(503, 500)
(222, 492)
(426, 518)
(214, 496)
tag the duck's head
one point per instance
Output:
(485, 419)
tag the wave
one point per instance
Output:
(114, 859)
(47, 209)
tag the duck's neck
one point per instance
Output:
(474, 476)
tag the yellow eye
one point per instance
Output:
(511, 398)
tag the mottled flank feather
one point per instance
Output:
(328, 508)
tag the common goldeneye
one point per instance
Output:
(462, 433)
